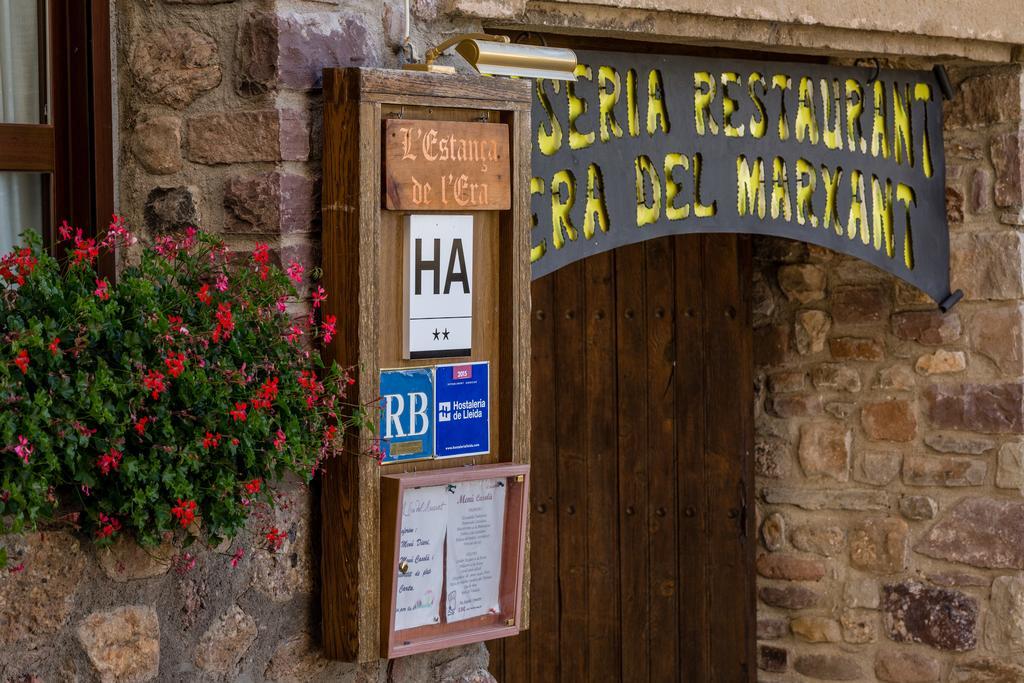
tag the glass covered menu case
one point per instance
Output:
(452, 549)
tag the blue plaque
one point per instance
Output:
(462, 422)
(406, 414)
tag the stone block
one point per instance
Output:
(813, 629)
(889, 421)
(837, 377)
(1009, 167)
(122, 644)
(998, 334)
(878, 468)
(862, 592)
(958, 443)
(854, 348)
(811, 330)
(825, 450)
(175, 64)
(927, 327)
(773, 531)
(787, 381)
(980, 194)
(1004, 626)
(987, 670)
(829, 667)
(125, 560)
(270, 203)
(772, 628)
(942, 618)
(954, 206)
(803, 282)
(987, 266)
(988, 99)
(789, 596)
(794, 405)
(286, 49)
(859, 304)
(172, 209)
(990, 408)
(899, 666)
(790, 567)
(880, 545)
(247, 136)
(916, 508)
(835, 499)
(772, 458)
(937, 470)
(895, 378)
(156, 143)
(941, 362)
(820, 539)
(981, 532)
(1010, 471)
(221, 648)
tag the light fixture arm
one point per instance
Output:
(436, 52)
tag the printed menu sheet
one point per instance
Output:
(476, 524)
(421, 556)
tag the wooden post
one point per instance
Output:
(363, 274)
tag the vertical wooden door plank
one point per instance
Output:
(660, 509)
(693, 608)
(603, 636)
(544, 643)
(631, 364)
(729, 400)
(572, 470)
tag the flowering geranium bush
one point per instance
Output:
(177, 395)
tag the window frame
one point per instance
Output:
(75, 145)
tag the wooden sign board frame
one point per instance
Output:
(362, 247)
(506, 622)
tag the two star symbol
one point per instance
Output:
(437, 334)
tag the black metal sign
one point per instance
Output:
(642, 146)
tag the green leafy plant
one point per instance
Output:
(172, 400)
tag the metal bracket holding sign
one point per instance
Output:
(644, 145)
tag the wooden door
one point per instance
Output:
(641, 512)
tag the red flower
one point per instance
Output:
(111, 460)
(65, 230)
(295, 271)
(54, 346)
(266, 395)
(280, 439)
(261, 255)
(275, 538)
(101, 289)
(204, 294)
(211, 440)
(238, 414)
(21, 360)
(184, 512)
(294, 333)
(319, 296)
(253, 486)
(329, 327)
(330, 433)
(175, 363)
(154, 382)
(237, 556)
(140, 425)
(24, 449)
(225, 322)
(108, 526)
(85, 250)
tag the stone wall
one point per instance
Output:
(890, 461)
(889, 447)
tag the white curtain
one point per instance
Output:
(21, 194)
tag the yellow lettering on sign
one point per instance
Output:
(750, 187)
(595, 208)
(923, 93)
(537, 252)
(879, 126)
(881, 214)
(700, 209)
(780, 191)
(607, 99)
(854, 109)
(549, 140)
(782, 82)
(832, 128)
(632, 107)
(673, 189)
(831, 180)
(806, 180)
(806, 121)
(656, 111)
(902, 131)
(577, 107)
(905, 194)
(729, 106)
(648, 209)
(561, 204)
(758, 126)
(857, 221)
(703, 95)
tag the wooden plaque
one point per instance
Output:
(448, 630)
(446, 166)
